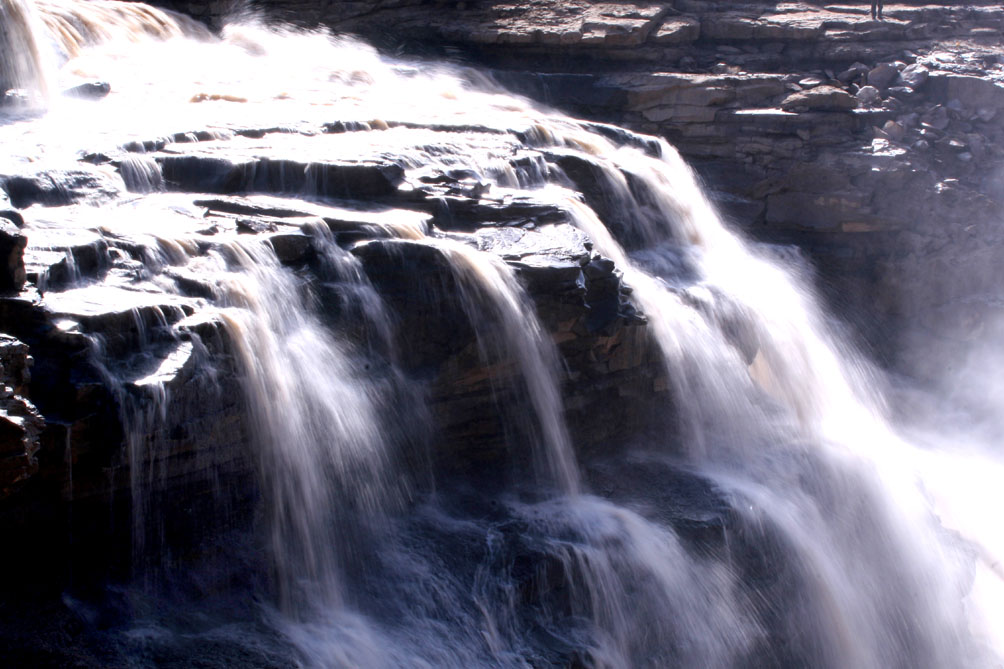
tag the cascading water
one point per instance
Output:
(488, 284)
(824, 537)
(318, 456)
(24, 65)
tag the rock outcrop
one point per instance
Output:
(12, 243)
(137, 375)
(873, 145)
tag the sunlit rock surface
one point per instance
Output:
(714, 77)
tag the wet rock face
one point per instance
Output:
(611, 366)
(136, 372)
(12, 243)
(896, 120)
(20, 422)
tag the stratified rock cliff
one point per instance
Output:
(875, 146)
(136, 375)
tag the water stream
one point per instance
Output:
(842, 537)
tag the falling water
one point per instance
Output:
(487, 282)
(323, 453)
(823, 427)
(24, 63)
(838, 543)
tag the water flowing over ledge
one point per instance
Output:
(383, 366)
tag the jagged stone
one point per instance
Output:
(675, 31)
(20, 422)
(254, 226)
(549, 258)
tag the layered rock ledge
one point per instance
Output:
(872, 145)
(137, 376)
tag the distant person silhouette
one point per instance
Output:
(877, 14)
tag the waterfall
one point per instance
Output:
(24, 65)
(830, 435)
(487, 282)
(320, 440)
(35, 36)
(253, 196)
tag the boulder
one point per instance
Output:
(92, 90)
(882, 75)
(820, 98)
(13, 216)
(902, 92)
(936, 118)
(894, 131)
(291, 248)
(853, 72)
(869, 96)
(914, 75)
